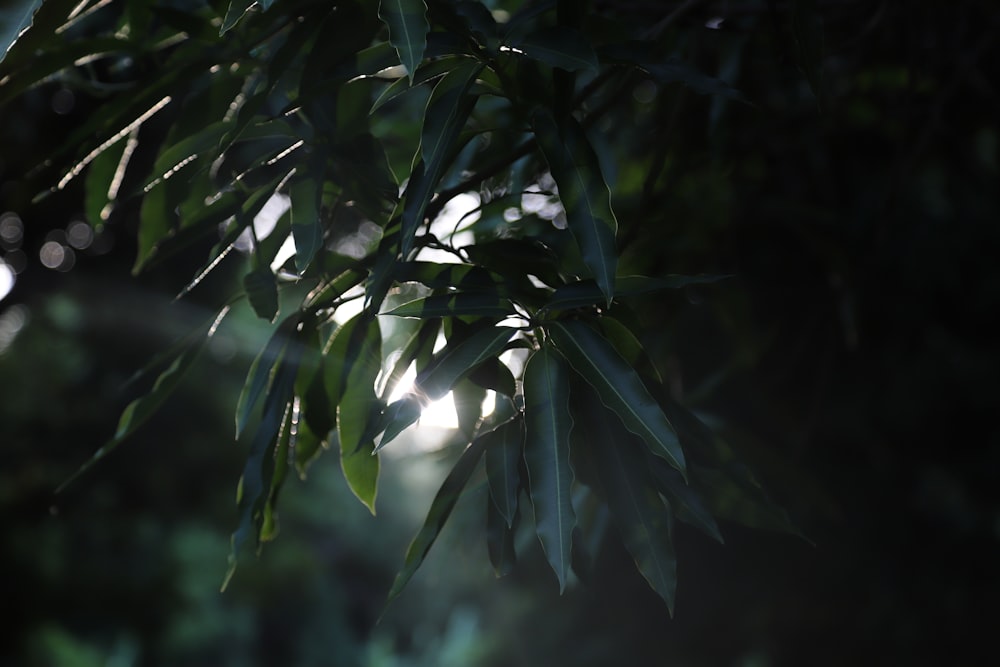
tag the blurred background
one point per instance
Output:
(852, 361)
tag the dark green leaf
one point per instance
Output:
(499, 541)
(640, 515)
(468, 398)
(667, 70)
(307, 230)
(408, 27)
(503, 468)
(584, 195)
(262, 292)
(260, 371)
(687, 504)
(559, 46)
(546, 454)
(447, 110)
(441, 507)
(619, 387)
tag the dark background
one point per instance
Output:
(852, 360)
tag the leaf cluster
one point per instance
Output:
(362, 123)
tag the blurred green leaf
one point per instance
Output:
(307, 229)
(261, 370)
(546, 454)
(641, 517)
(408, 27)
(499, 541)
(586, 292)
(237, 9)
(619, 387)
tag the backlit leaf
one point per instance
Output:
(15, 18)
(408, 27)
(453, 305)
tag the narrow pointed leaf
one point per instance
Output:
(262, 292)
(503, 468)
(546, 454)
(408, 28)
(559, 46)
(688, 505)
(640, 515)
(441, 507)
(447, 110)
(584, 195)
(619, 387)
(261, 371)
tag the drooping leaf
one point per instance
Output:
(546, 455)
(441, 507)
(259, 468)
(408, 28)
(499, 541)
(559, 46)
(468, 398)
(358, 406)
(640, 515)
(619, 387)
(503, 468)
(584, 195)
(261, 371)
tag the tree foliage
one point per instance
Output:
(367, 123)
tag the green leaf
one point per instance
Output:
(619, 387)
(262, 292)
(307, 230)
(667, 70)
(259, 468)
(361, 469)
(499, 541)
(468, 398)
(408, 28)
(559, 46)
(259, 375)
(455, 304)
(546, 455)
(15, 18)
(447, 110)
(448, 366)
(640, 515)
(584, 195)
(503, 468)
(441, 507)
